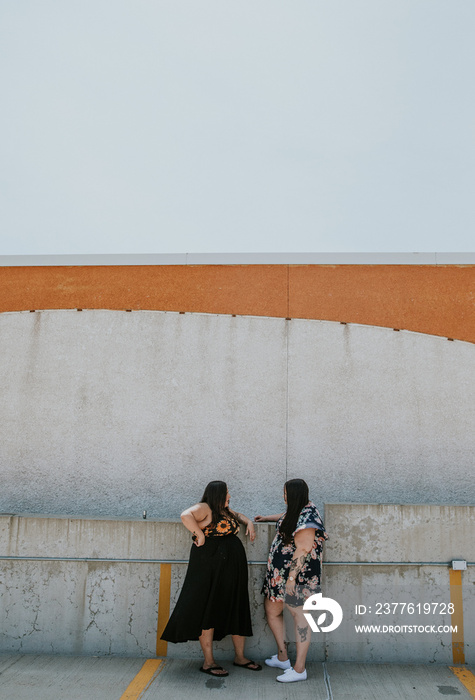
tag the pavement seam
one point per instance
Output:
(15, 661)
(326, 678)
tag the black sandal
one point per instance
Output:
(248, 665)
(210, 670)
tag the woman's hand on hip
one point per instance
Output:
(290, 587)
(200, 538)
(290, 595)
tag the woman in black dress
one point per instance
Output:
(293, 574)
(214, 600)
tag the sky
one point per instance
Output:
(204, 126)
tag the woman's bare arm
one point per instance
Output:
(244, 520)
(191, 518)
(268, 518)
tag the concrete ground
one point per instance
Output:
(27, 677)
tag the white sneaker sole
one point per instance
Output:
(285, 678)
(277, 664)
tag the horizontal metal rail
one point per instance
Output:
(392, 563)
(106, 560)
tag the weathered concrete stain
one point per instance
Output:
(448, 690)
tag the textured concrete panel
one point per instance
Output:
(98, 607)
(108, 413)
(398, 595)
(383, 590)
(78, 608)
(111, 413)
(379, 416)
(40, 536)
(408, 533)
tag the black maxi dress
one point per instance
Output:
(214, 593)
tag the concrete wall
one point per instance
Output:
(81, 605)
(406, 536)
(108, 413)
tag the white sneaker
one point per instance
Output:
(289, 676)
(275, 663)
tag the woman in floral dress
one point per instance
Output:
(293, 574)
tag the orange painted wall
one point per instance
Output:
(439, 300)
(426, 299)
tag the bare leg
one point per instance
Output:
(275, 620)
(206, 641)
(239, 657)
(238, 642)
(302, 638)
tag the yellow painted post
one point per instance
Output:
(163, 606)
(458, 650)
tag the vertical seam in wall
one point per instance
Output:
(287, 402)
(287, 326)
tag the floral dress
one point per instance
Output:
(280, 557)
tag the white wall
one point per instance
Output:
(108, 413)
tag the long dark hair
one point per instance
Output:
(297, 498)
(215, 496)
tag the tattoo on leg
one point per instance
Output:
(303, 633)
